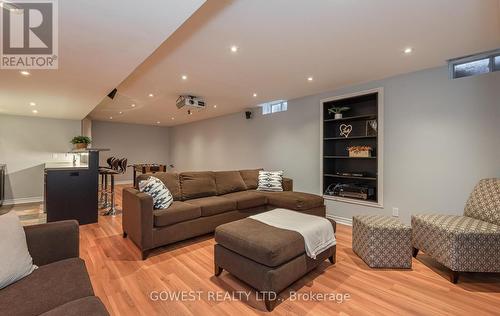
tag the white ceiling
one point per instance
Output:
(100, 43)
(282, 42)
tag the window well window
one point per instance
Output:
(474, 65)
(472, 68)
(274, 107)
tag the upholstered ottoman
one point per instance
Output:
(382, 241)
(266, 257)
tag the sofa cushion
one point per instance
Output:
(88, 306)
(297, 201)
(213, 205)
(171, 181)
(197, 184)
(15, 259)
(484, 202)
(176, 213)
(460, 243)
(247, 199)
(228, 182)
(46, 288)
(265, 244)
(251, 178)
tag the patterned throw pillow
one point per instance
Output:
(162, 198)
(270, 181)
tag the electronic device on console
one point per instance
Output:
(357, 191)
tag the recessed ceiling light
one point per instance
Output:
(110, 117)
(234, 48)
(158, 122)
(120, 112)
(151, 95)
(173, 118)
(255, 95)
(25, 73)
(310, 79)
(215, 106)
(34, 111)
(32, 103)
(132, 105)
(184, 77)
(408, 50)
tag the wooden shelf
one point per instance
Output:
(369, 203)
(349, 177)
(347, 157)
(353, 118)
(347, 138)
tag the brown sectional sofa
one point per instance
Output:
(203, 201)
(61, 284)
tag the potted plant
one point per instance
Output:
(338, 111)
(81, 142)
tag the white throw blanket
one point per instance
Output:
(317, 231)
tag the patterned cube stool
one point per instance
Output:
(382, 241)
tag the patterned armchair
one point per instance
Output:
(469, 243)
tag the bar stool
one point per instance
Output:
(103, 191)
(123, 166)
(119, 167)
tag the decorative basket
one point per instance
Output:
(359, 152)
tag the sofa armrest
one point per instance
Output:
(287, 184)
(137, 218)
(53, 242)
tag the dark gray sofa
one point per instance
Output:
(61, 284)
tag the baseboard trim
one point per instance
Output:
(340, 220)
(35, 199)
(121, 182)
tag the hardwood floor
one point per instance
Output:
(124, 282)
(29, 213)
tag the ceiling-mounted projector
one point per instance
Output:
(189, 101)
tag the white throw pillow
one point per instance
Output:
(270, 181)
(162, 198)
(15, 260)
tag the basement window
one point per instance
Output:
(474, 65)
(274, 107)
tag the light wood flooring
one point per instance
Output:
(124, 282)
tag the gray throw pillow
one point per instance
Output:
(162, 198)
(15, 260)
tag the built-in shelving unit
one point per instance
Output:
(337, 168)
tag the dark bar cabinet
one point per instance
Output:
(71, 189)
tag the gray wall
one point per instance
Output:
(137, 143)
(287, 141)
(441, 137)
(26, 143)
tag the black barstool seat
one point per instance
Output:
(118, 166)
